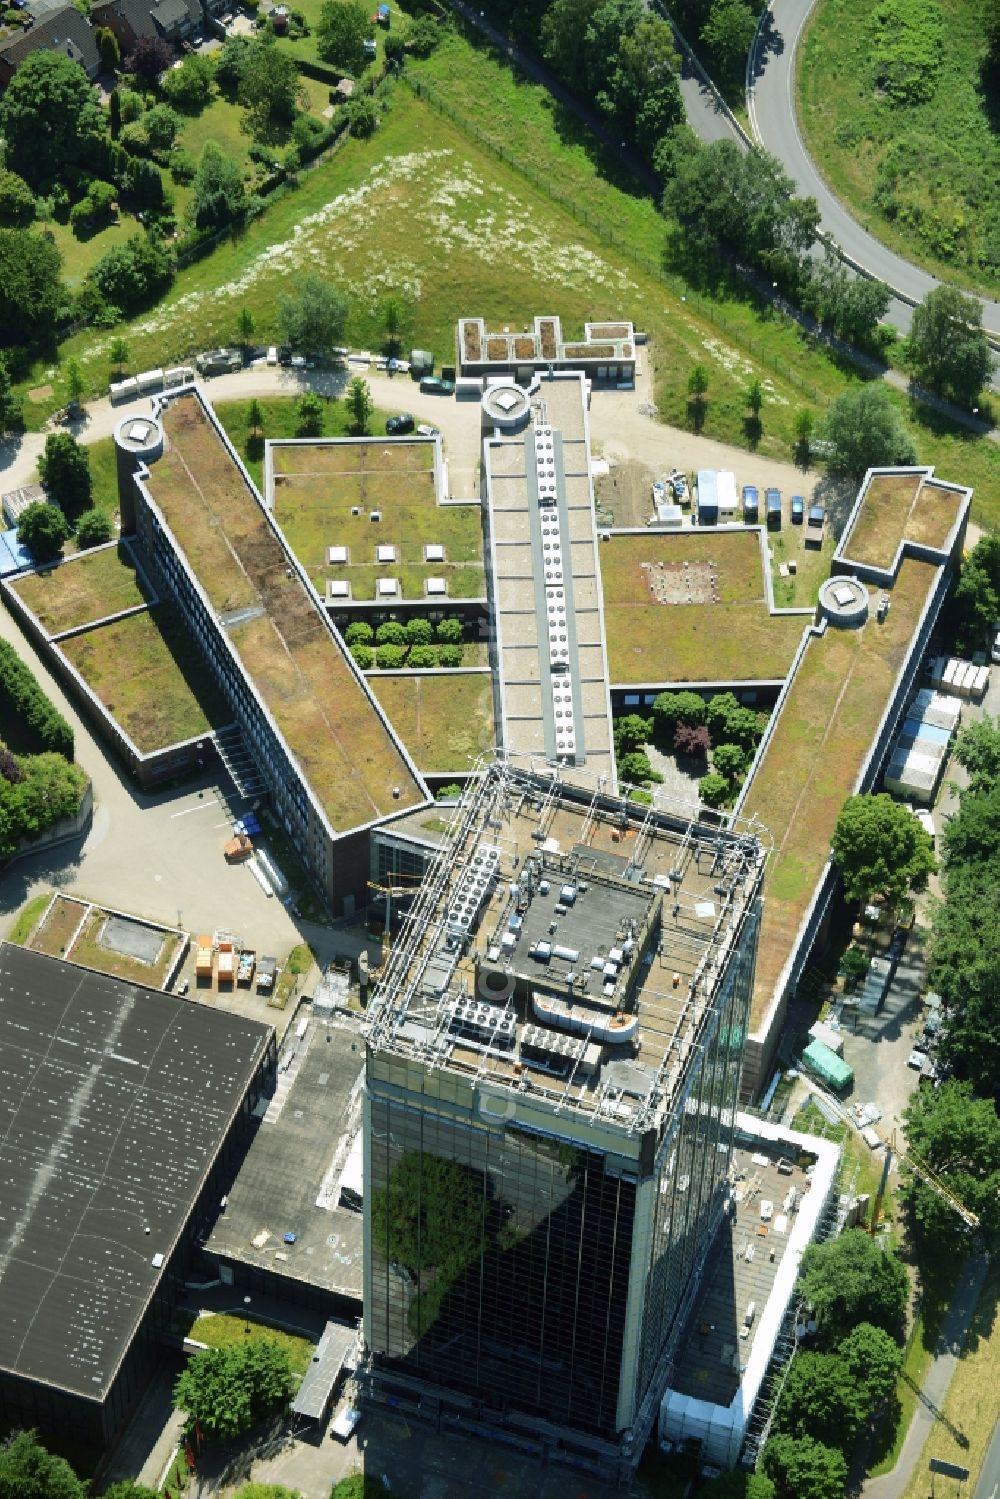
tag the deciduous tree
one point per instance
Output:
(864, 430)
(801, 1468)
(219, 197)
(822, 1398)
(64, 469)
(93, 529)
(309, 414)
(851, 1279)
(150, 57)
(28, 1471)
(43, 530)
(49, 115)
(226, 1390)
(958, 1136)
(344, 26)
(948, 348)
(360, 405)
(313, 316)
(31, 291)
(881, 849)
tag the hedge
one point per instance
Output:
(23, 699)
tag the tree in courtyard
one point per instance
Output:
(881, 849)
(948, 348)
(360, 405)
(390, 632)
(730, 760)
(864, 430)
(671, 708)
(10, 402)
(729, 722)
(802, 1468)
(343, 28)
(851, 1279)
(822, 1398)
(219, 197)
(714, 789)
(49, 116)
(93, 528)
(450, 631)
(313, 316)
(692, 740)
(150, 56)
(958, 1136)
(419, 631)
(631, 731)
(634, 767)
(359, 632)
(42, 529)
(309, 413)
(28, 1471)
(64, 469)
(227, 1390)
(31, 291)
(977, 750)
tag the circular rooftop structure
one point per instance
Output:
(506, 406)
(844, 602)
(142, 436)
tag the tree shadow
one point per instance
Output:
(753, 430)
(697, 410)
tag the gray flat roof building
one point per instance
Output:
(118, 1106)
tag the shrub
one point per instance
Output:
(359, 632)
(691, 740)
(634, 767)
(362, 117)
(136, 272)
(23, 699)
(907, 47)
(390, 633)
(672, 708)
(64, 469)
(730, 760)
(449, 655)
(42, 529)
(424, 36)
(162, 124)
(422, 657)
(444, 793)
(364, 656)
(309, 413)
(450, 631)
(390, 657)
(853, 966)
(189, 87)
(419, 631)
(93, 529)
(713, 789)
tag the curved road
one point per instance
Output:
(771, 106)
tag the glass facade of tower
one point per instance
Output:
(532, 1265)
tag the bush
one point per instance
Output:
(422, 657)
(182, 167)
(309, 414)
(64, 469)
(425, 33)
(390, 657)
(364, 656)
(42, 529)
(362, 117)
(23, 700)
(134, 273)
(390, 633)
(853, 966)
(449, 655)
(713, 789)
(162, 124)
(359, 632)
(189, 87)
(419, 631)
(634, 768)
(93, 529)
(672, 708)
(907, 47)
(730, 760)
(17, 203)
(450, 631)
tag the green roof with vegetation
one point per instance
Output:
(725, 633)
(86, 587)
(445, 720)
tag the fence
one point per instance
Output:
(701, 306)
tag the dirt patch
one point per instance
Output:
(609, 330)
(547, 332)
(524, 348)
(625, 495)
(41, 393)
(471, 341)
(682, 582)
(497, 348)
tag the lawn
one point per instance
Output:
(735, 638)
(962, 1432)
(89, 586)
(960, 457)
(924, 177)
(27, 917)
(224, 1330)
(317, 489)
(813, 758)
(897, 507)
(444, 721)
(148, 674)
(812, 567)
(423, 211)
(81, 254)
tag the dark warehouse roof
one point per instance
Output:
(114, 1102)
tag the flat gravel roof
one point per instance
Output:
(114, 1102)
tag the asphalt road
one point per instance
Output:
(988, 1486)
(771, 106)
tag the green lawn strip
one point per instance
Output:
(449, 229)
(93, 585)
(444, 721)
(149, 675)
(224, 1330)
(27, 917)
(946, 200)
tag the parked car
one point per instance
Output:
(397, 425)
(917, 1059)
(436, 385)
(772, 507)
(797, 510)
(817, 516)
(750, 502)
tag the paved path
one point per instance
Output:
(988, 1486)
(931, 1397)
(771, 105)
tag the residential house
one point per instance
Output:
(63, 30)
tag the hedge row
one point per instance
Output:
(23, 699)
